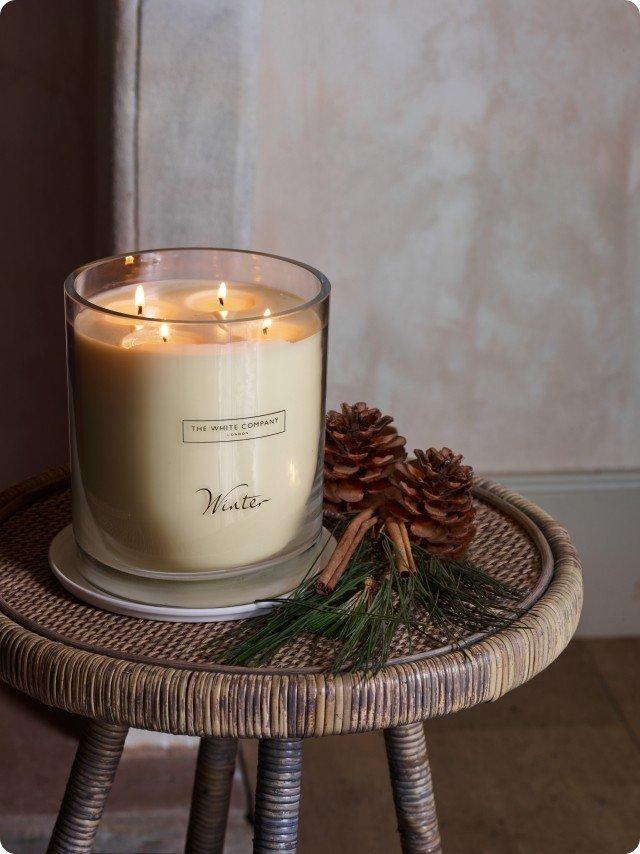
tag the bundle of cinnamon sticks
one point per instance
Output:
(353, 536)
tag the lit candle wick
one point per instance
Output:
(164, 331)
(266, 324)
(222, 293)
(140, 299)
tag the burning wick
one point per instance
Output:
(222, 293)
(164, 332)
(266, 324)
(140, 299)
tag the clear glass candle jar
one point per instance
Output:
(196, 387)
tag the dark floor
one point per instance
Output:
(552, 768)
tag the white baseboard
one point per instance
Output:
(602, 514)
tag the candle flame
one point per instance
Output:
(129, 259)
(266, 323)
(222, 293)
(164, 331)
(139, 299)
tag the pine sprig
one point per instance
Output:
(460, 599)
(443, 601)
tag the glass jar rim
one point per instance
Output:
(324, 286)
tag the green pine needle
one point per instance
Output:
(443, 601)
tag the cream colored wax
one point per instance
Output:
(196, 444)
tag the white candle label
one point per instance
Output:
(199, 430)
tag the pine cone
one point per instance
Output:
(433, 497)
(361, 451)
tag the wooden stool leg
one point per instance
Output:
(211, 793)
(412, 789)
(89, 783)
(275, 826)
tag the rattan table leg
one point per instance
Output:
(211, 793)
(277, 801)
(412, 789)
(89, 783)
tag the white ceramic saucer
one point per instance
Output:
(70, 568)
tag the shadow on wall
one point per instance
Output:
(49, 148)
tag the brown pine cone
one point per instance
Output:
(433, 497)
(361, 451)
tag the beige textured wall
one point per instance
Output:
(466, 172)
(467, 175)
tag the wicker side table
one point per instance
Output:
(119, 671)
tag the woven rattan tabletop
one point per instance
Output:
(156, 675)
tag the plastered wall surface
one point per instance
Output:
(466, 173)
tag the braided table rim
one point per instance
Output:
(284, 704)
(508, 543)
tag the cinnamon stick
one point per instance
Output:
(349, 542)
(404, 558)
(330, 585)
(407, 546)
